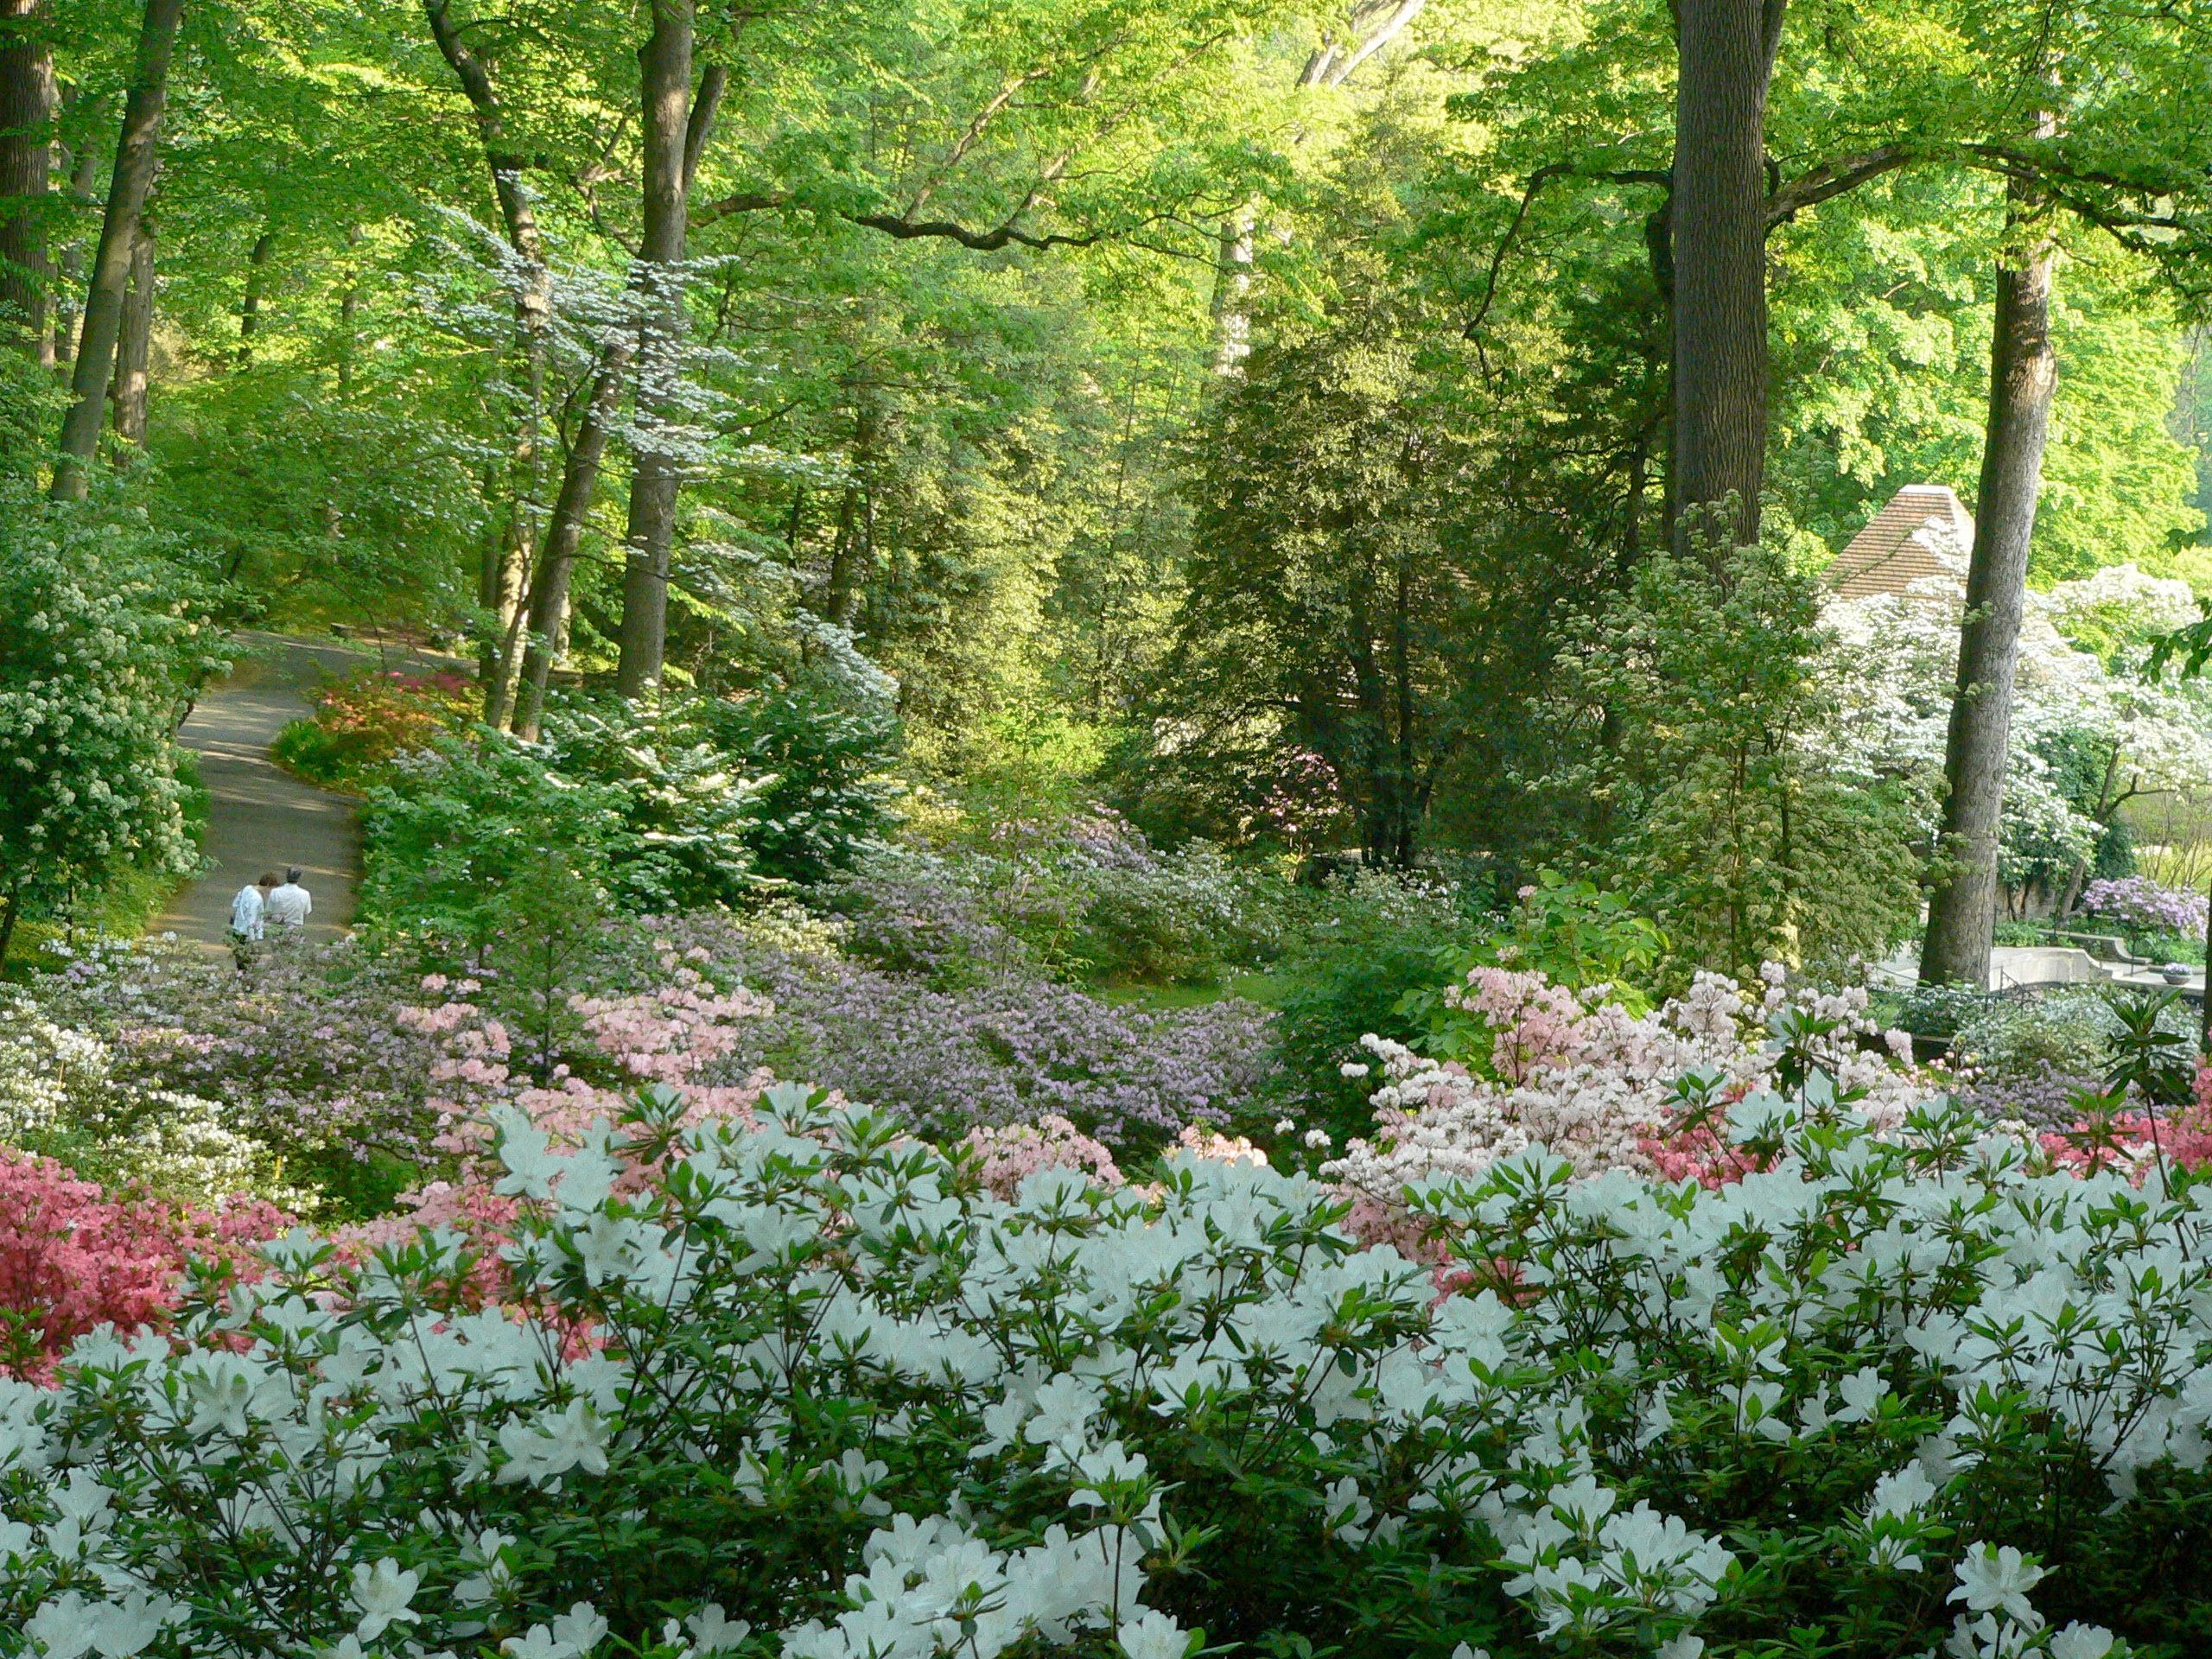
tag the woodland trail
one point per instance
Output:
(261, 817)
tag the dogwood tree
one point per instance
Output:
(2089, 733)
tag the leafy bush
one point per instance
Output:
(810, 1391)
(821, 745)
(687, 816)
(360, 722)
(457, 827)
(1575, 934)
(1738, 814)
(1355, 964)
(101, 641)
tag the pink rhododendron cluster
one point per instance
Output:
(667, 1036)
(1596, 1084)
(1010, 1153)
(74, 1257)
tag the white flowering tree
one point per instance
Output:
(95, 657)
(2090, 732)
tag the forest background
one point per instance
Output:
(1264, 416)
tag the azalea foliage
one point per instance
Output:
(812, 1390)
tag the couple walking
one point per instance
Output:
(265, 904)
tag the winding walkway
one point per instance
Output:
(260, 818)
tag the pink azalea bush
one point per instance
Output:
(74, 1257)
(2134, 1143)
(1597, 1085)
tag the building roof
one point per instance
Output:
(1925, 530)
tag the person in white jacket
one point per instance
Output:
(290, 905)
(249, 913)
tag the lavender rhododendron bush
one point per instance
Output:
(811, 1389)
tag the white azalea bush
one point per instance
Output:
(810, 1390)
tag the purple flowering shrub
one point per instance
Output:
(2136, 901)
(1007, 1046)
(354, 1067)
(1079, 895)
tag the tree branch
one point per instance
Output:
(701, 126)
(1831, 179)
(1537, 181)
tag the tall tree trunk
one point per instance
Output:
(665, 62)
(2023, 376)
(256, 282)
(1232, 293)
(26, 146)
(506, 568)
(126, 200)
(134, 349)
(349, 305)
(83, 170)
(1725, 49)
(548, 590)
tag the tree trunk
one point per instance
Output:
(134, 349)
(1232, 293)
(83, 170)
(2024, 374)
(549, 591)
(256, 279)
(26, 141)
(349, 305)
(665, 61)
(1725, 49)
(506, 570)
(126, 200)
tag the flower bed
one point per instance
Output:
(812, 1390)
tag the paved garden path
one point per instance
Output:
(259, 818)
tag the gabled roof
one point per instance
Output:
(1925, 530)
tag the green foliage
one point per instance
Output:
(1574, 932)
(687, 811)
(1365, 957)
(460, 824)
(1724, 825)
(820, 746)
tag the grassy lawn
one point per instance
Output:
(1268, 990)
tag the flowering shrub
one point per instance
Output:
(362, 721)
(72, 1257)
(1006, 1047)
(103, 638)
(310, 1060)
(835, 1402)
(1578, 1073)
(61, 1095)
(2138, 902)
(1082, 894)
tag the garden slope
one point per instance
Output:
(259, 818)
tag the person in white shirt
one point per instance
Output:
(290, 906)
(248, 910)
